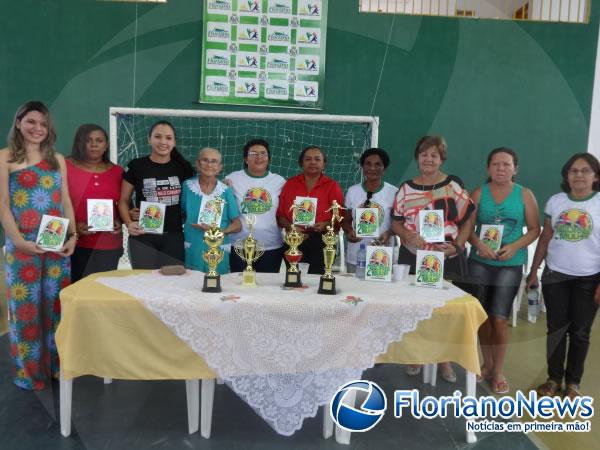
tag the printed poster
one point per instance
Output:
(211, 210)
(152, 217)
(306, 211)
(100, 214)
(491, 235)
(366, 222)
(379, 263)
(431, 225)
(52, 233)
(430, 269)
(264, 52)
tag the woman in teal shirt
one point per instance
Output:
(200, 194)
(497, 265)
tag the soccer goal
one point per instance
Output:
(343, 138)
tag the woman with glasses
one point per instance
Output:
(432, 189)
(156, 178)
(373, 192)
(570, 245)
(205, 198)
(311, 183)
(498, 255)
(257, 192)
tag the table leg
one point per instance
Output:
(343, 436)
(471, 392)
(208, 395)
(107, 380)
(430, 374)
(192, 392)
(327, 422)
(66, 397)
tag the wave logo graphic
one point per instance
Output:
(373, 404)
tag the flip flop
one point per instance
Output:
(500, 386)
(572, 391)
(548, 389)
(483, 377)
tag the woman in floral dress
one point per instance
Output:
(33, 183)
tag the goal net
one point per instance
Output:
(343, 138)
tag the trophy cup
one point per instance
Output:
(327, 282)
(293, 239)
(213, 238)
(249, 250)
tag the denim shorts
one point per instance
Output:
(496, 287)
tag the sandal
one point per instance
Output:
(499, 386)
(449, 376)
(483, 376)
(412, 370)
(572, 391)
(548, 389)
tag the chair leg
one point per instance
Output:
(430, 374)
(343, 436)
(471, 392)
(327, 422)
(108, 380)
(66, 397)
(192, 392)
(208, 395)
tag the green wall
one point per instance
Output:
(480, 83)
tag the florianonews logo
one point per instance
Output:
(373, 405)
(574, 225)
(256, 201)
(430, 270)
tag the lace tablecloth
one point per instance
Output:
(284, 351)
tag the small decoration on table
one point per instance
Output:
(230, 298)
(352, 300)
(327, 281)
(249, 250)
(292, 255)
(52, 233)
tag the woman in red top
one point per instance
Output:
(310, 183)
(92, 176)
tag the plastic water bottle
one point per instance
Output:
(533, 303)
(361, 261)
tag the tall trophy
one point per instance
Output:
(213, 238)
(292, 255)
(327, 282)
(249, 250)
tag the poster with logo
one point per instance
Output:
(379, 263)
(430, 269)
(100, 214)
(306, 211)
(264, 52)
(366, 222)
(152, 217)
(491, 235)
(52, 233)
(211, 210)
(431, 225)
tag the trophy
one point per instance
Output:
(249, 250)
(293, 239)
(213, 238)
(327, 282)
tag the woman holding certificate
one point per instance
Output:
(374, 199)
(33, 186)
(432, 190)
(498, 252)
(313, 193)
(156, 238)
(570, 244)
(94, 187)
(206, 201)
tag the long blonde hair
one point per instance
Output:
(16, 144)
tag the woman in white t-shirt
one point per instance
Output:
(373, 192)
(257, 191)
(570, 244)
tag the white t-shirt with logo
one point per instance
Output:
(258, 196)
(382, 199)
(575, 246)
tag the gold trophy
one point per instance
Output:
(293, 239)
(249, 250)
(213, 238)
(327, 282)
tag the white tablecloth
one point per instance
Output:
(285, 351)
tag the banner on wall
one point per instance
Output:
(264, 52)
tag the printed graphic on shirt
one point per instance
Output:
(165, 191)
(256, 201)
(573, 225)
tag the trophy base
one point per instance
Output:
(327, 286)
(248, 278)
(212, 283)
(292, 279)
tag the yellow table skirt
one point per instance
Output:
(110, 334)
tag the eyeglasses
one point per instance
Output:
(258, 154)
(209, 161)
(585, 171)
